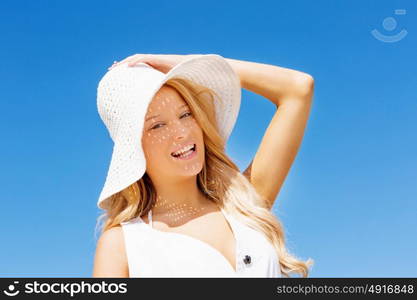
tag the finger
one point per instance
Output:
(135, 61)
(116, 63)
(125, 60)
(130, 63)
(130, 60)
(145, 58)
(113, 65)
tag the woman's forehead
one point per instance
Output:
(166, 98)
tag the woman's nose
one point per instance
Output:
(181, 131)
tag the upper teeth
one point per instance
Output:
(185, 149)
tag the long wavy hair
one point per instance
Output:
(220, 180)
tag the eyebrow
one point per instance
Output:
(158, 115)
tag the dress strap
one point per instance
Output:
(150, 217)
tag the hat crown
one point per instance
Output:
(121, 90)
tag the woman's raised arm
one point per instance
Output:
(292, 92)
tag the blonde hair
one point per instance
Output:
(220, 180)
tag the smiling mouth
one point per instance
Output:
(189, 152)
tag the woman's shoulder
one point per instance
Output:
(111, 258)
(112, 240)
(112, 234)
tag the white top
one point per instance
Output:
(156, 253)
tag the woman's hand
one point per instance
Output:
(161, 62)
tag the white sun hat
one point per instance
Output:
(124, 94)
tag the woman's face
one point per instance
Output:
(169, 126)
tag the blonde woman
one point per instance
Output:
(175, 204)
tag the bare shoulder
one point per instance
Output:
(110, 258)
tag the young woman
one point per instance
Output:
(175, 204)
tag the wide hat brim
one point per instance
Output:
(128, 163)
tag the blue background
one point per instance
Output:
(349, 201)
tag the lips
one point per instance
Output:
(184, 146)
(188, 155)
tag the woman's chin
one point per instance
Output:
(188, 169)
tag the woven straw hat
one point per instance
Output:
(124, 94)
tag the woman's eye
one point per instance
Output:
(186, 114)
(158, 125)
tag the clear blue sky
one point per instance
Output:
(350, 199)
